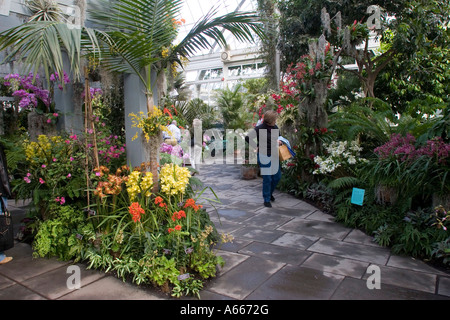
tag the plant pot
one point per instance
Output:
(249, 172)
(443, 200)
(386, 195)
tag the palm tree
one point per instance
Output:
(135, 34)
(143, 29)
(41, 43)
(143, 32)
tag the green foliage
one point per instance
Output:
(62, 235)
(197, 108)
(187, 287)
(441, 250)
(205, 263)
(231, 104)
(52, 171)
(300, 21)
(374, 125)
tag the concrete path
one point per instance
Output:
(289, 252)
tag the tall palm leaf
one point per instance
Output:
(142, 28)
(242, 25)
(42, 43)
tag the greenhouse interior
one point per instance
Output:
(246, 150)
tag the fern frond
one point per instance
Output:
(344, 182)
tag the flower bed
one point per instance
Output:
(164, 239)
(110, 218)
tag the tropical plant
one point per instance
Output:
(52, 172)
(231, 104)
(197, 108)
(143, 33)
(43, 44)
(44, 10)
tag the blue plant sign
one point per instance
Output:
(358, 196)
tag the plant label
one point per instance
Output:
(358, 196)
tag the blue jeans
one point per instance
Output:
(5, 200)
(271, 175)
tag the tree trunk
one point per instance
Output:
(369, 85)
(152, 147)
(316, 117)
(316, 114)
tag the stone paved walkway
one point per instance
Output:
(289, 252)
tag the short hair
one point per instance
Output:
(270, 116)
(174, 122)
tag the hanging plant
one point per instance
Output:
(152, 124)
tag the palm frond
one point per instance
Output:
(139, 30)
(42, 43)
(243, 26)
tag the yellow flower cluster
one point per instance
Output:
(41, 150)
(165, 52)
(174, 179)
(139, 183)
(152, 124)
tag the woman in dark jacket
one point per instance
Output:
(5, 192)
(267, 135)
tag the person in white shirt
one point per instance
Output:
(176, 132)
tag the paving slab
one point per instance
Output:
(291, 212)
(411, 263)
(267, 220)
(234, 215)
(444, 286)
(231, 260)
(375, 255)
(24, 266)
(53, 284)
(295, 240)
(234, 246)
(316, 228)
(258, 234)
(5, 282)
(287, 201)
(357, 236)
(337, 265)
(19, 292)
(305, 206)
(276, 253)
(407, 279)
(320, 216)
(111, 288)
(226, 226)
(298, 283)
(355, 289)
(242, 280)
